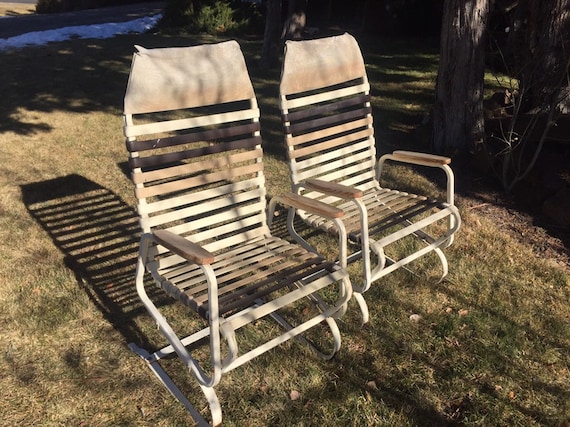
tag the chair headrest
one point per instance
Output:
(165, 79)
(314, 64)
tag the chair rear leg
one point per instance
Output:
(167, 382)
(332, 326)
(363, 307)
(443, 260)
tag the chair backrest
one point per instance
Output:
(192, 129)
(326, 111)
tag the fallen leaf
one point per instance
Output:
(294, 395)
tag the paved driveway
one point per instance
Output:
(14, 26)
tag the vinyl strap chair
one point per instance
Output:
(328, 126)
(192, 131)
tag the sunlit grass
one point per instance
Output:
(491, 346)
(16, 9)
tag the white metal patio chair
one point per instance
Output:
(327, 118)
(192, 129)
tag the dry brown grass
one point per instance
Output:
(15, 9)
(492, 347)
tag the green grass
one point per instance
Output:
(491, 347)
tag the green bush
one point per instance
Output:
(50, 6)
(211, 17)
(216, 19)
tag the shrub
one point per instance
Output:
(50, 6)
(211, 17)
(216, 19)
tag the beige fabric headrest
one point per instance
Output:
(313, 64)
(184, 77)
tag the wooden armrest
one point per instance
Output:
(183, 247)
(313, 206)
(333, 189)
(420, 158)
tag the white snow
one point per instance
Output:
(95, 31)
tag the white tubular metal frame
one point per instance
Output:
(202, 203)
(328, 127)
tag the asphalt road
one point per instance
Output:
(14, 26)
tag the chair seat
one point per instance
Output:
(386, 210)
(254, 271)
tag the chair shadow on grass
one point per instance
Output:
(98, 234)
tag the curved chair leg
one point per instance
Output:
(363, 307)
(333, 326)
(167, 382)
(214, 404)
(444, 265)
(335, 331)
(233, 349)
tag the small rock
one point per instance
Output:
(415, 317)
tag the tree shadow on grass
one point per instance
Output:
(98, 234)
(77, 76)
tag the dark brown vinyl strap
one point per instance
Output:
(319, 110)
(171, 158)
(327, 121)
(205, 135)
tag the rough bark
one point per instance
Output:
(540, 43)
(271, 43)
(458, 116)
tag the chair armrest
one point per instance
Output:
(313, 206)
(183, 247)
(423, 159)
(333, 189)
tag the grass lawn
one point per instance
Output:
(15, 9)
(492, 346)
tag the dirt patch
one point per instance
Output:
(537, 212)
(547, 241)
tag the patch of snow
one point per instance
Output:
(94, 31)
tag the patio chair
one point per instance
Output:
(327, 118)
(192, 130)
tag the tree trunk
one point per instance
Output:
(458, 116)
(271, 43)
(540, 42)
